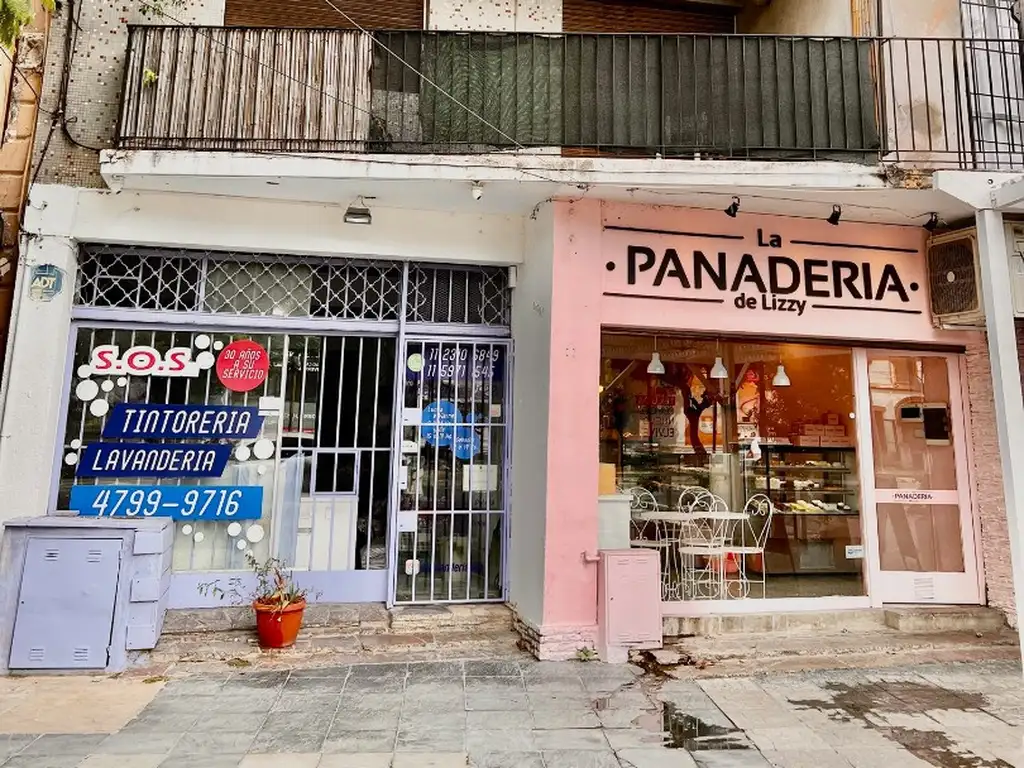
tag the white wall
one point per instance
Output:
(798, 17)
(531, 333)
(496, 15)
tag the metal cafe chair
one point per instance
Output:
(754, 532)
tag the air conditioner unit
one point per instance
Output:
(953, 280)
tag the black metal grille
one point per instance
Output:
(179, 280)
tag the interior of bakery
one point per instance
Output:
(740, 458)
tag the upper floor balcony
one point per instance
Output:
(928, 103)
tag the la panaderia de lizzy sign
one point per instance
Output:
(799, 277)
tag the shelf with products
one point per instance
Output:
(814, 491)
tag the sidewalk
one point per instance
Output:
(518, 714)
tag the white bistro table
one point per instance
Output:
(702, 551)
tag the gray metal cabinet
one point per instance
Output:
(65, 610)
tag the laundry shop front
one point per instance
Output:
(755, 357)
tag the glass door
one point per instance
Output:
(925, 544)
(452, 502)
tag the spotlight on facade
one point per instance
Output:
(358, 214)
(734, 208)
(836, 215)
(478, 190)
(933, 222)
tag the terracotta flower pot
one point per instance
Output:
(277, 628)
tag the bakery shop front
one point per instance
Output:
(769, 400)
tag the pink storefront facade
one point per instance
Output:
(755, 356)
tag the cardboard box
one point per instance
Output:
(813, 430)
(836, 442)
(831, 431)
(809, 442)
(605, 479)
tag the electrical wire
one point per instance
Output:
(24, 78)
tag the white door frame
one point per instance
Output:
(888, 587)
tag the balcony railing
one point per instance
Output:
(934, 102)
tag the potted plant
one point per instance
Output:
(277, 600)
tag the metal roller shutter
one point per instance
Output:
(626, 16)
(371, 14)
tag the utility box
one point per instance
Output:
(628, 603)
(80, 593)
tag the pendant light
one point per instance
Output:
(656, 367)
(718, 370)
(781, 378)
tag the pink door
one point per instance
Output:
(924, 548)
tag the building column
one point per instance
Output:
(994, 255)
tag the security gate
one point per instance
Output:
(452, 473)
(377, 393)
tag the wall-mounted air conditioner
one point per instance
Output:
(953, 280)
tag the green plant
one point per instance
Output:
(14, 15)
(275, 586)
(586, 654)
(149, 77)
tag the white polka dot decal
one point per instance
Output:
(263, 449)
(87, 390)
(234, 529)
(99, 408)
(255, 533)
(107, 385)
(202, 341)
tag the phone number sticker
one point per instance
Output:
(179, 502)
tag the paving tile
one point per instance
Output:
(362, 671)
(208, 685)
(383, 684)
(290, 741)
(299, 721)
(430, 670)
(12, 743)
(632, 738)
(169, 722)
(435, 739)
(65, 744)
(122, 761)
(370, 720)
(247, 681)
(546, 719)
(297, 701)
(294, 760)
(506, 760)
(315, 685)
(493, 740)
(229, 705)
(123, 743)
(365, 760)
(570, 685)
(341, 671)
(520, 720)
(220, 723)
(734, 758)
(492, 669)
(648, 757)
(786, 739)
(198, 743)
(488, 701)
(570, 738)
(797, 758)
(561, 758)
(562, 699)
(202, 761)
(430, 760)
(339, 741)
(42, 761)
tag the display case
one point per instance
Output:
(815, 491)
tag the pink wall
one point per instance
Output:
(592, 287)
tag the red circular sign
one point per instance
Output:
(242, 366)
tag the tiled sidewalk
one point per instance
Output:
(522, 715)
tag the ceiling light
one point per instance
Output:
(358, 213)
(734, 208)
(656, 367)
(718, 370)
(781, 378)
(836, 215)
(933, 222)
(478, 190)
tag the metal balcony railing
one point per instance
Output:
(936, 102)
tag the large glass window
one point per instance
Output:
(306, 481)
(741, 462)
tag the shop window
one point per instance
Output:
(682, 418)
(297, 466)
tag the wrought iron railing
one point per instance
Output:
(939, 102)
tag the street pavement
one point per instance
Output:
(517, 714)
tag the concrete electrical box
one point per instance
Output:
(628, 603)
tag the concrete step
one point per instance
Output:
(759, 623)
(943, 618)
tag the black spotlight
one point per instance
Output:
(835, 216)
(933, 222)
(734, 208)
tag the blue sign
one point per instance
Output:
(142, 460)
(438, 421)
(45, 282)
(180, 502)
(181, 422)
(467, 443)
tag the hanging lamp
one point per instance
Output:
(656, 367)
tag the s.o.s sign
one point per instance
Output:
(107, 360)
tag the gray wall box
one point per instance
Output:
(121, 570)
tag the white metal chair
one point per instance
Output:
(641, 501)
(701, 545)
(755, 530)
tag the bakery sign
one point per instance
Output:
(764, 271)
